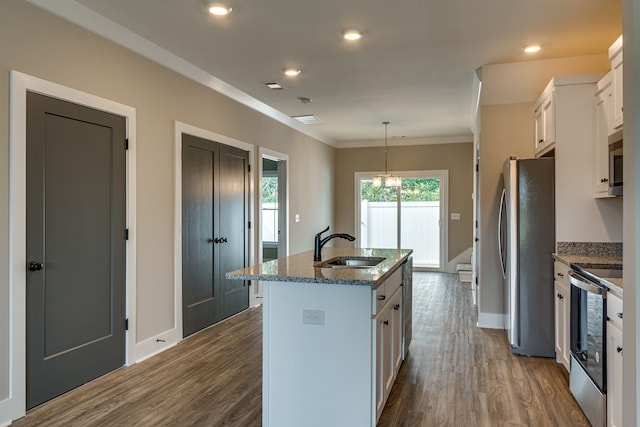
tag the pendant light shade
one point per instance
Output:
(386, 178)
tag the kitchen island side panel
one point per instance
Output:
(317, 375)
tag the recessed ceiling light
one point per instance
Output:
(273, 85)
(219, 9)
(352, 35)
(291, 72)
(532, 48)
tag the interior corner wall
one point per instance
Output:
(507, 130)
(456, 158)
(42, 45)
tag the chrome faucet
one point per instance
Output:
(319, 243)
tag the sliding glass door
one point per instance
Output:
(409, 217)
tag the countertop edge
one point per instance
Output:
(242, 274)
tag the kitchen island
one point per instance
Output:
(333, 337)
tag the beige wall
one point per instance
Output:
(507, 130)
(39, 44)
(456, 158)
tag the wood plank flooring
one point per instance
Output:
(455, 374)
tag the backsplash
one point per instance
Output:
(613, 249)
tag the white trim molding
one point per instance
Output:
(15, 406)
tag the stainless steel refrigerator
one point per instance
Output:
(526, 240)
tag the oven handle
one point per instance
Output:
(577, 280)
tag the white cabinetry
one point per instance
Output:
(615, 55)
(544, 122)
(575, 132)
(388, 324)
(562, 314)
(614, 360)
(601, 141)
(331, 352)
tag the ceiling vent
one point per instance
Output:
(308, 119)
(274, 85)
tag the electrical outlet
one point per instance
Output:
(313, 317)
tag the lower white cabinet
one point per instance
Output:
(388, 348)
(562, 292)
(614, 362)
(331, 352)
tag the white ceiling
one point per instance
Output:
(414, 67)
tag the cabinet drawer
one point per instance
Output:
(561, 272)
(393, 282)
(614, 309)
(384, 291)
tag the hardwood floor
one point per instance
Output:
(455, 374)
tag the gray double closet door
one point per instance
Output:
(215, 231)
(76, 254)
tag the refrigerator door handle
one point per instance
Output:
(500, 248)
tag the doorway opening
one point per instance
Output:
(410, 216)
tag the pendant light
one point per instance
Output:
(386, 178)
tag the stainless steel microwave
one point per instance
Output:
(615, 163)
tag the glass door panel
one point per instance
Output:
(420, 220)
(378, 216)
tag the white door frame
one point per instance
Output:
(20, 84)
(256, 294)
(175, 335)
(443, 176)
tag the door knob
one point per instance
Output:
(223, 240)
(35, 266)
(217, 240)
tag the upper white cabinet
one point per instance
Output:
(544, 118)
(615, 55)
(601, 141)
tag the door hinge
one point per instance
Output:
(126, 324)
(126, 234)
(126, 143)
(476, 280)
(477, 167)
(248, 168)
(249, 224)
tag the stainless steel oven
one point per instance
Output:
(588, 377)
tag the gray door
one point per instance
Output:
(75, 245)
(200, 289)
(234, 213)
(214, 231)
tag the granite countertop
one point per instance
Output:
(301, 268)
(590, 261)
(607, 262)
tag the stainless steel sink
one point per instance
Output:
(351, 262)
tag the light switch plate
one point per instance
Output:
(455, 216)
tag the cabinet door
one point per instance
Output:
(601, 145)
(538, 127)
(397, 327)
(549, 121)
(383, 360)
(614, 375)
(559, 321)
(616, 108)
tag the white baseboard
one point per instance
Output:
(9, 411)
(157, 344)
(490, 320)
